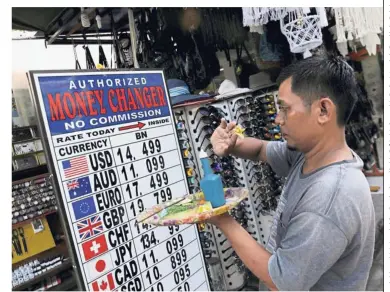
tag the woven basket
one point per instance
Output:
(303, 34)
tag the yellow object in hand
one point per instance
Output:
(239, 131)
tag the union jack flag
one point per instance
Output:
(90, 227)
(73, 184)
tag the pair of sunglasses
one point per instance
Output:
(208, 120)
(208, 129)
(207, 111)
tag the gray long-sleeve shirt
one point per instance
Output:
(323, 233)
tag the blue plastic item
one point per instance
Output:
(211, 183)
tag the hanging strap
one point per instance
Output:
(88, 56)
(227, 54)
(78, 67)
(119, 56)
(102, 57)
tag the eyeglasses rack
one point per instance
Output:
(256, 113)
(202, 121)
(191, 163)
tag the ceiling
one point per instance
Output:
(59, 25)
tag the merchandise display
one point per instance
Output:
(358, 23)
(27, 150)
(32, 198)
(34, 268)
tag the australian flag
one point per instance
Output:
(90, 227)
(84, 208)
(79, 187)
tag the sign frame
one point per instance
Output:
(49, 153)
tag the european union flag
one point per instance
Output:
(84, 208)
(79, 187)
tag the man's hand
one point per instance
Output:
(224, 139)
(220, 220)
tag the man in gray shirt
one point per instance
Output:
(323, 232)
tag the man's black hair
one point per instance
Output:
(324, 76)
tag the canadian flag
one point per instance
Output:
(98, 267)
(105, 283)
(94, 247)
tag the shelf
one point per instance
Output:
(60, 249)
(32, 178)
(67, 285)
(27, 154)
(29, 172)
(32, 219)
(24, 128)
(27, 140)
(52, 272)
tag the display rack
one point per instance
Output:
(27, 149)
(198, 123)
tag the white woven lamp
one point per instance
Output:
(303, 33)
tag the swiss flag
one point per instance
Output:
(105, 283)
(94, 247)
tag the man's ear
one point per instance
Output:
(325, 109)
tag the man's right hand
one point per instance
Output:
(224, 138)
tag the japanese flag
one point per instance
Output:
(105, 283)
(98, 267)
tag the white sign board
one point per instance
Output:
(114, 152)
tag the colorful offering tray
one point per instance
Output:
(190, 209)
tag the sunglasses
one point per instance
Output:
(208, 253)
(207, 136)
(207, 111)
(257, 176)
(194, 189)
(208, 120)
(207, 243)
(188, 163)
(252, 132)
(205, 235)
(248, 116)
(209, 147)
(184, 144)
(182, 135)
(209, 129)
(272, 137)
(179, 113)
(180, 126)
(193, 179)
(187, 153)
(232, 182)
(190, 172)
(238, 103)
(231, 255)
(267, 99)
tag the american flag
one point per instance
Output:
(90, 227)
(75, 166)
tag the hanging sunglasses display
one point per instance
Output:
(257, 116)
(186, 151)
(195, 126)
(203, 121)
